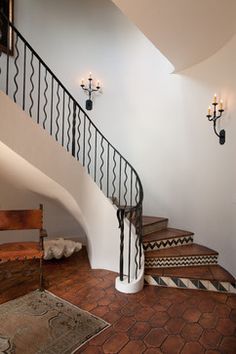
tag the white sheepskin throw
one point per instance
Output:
(60, 247)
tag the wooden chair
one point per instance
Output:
(23, 220)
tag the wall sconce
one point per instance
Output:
(90, 89)
(213, 117)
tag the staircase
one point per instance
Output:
(173, 260)
(31, 86)
(171, 257)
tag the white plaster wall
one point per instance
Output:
(156, 120)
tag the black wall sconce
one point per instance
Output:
(90, 89)
(214, 115)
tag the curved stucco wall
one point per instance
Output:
(32, 158)
(185, 31)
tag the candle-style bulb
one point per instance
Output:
(90, 75)
(221, 104)
(82, 81)
(215, 98)
(209, 111)
(98, 84)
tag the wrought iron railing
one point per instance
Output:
(26, 78)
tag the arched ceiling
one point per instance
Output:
(185, 31)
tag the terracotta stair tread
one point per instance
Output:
(148, 220)
(212, 272)
(181, 251)
(166, 234)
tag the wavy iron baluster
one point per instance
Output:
(46, 100)
(90, 147)
(79, 134)
(114, 174)
(120, 217)
(24, 78)
(108, 168)
(32, 85)
(125, 184)
(137, 191)
(58, 113)
(136, 258)
(63, 119)
(102, 164)
(39, 88)
(17, 69)
(95, 155)
(84, 137)
(69, 126)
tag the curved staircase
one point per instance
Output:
(173, 260)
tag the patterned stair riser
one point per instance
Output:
(171, 242)
(182, 261)
(148, 229)
(185, 283)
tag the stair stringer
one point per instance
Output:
(32, 157)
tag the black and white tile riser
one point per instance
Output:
(180, 261)
(185, 283)
(171, 242)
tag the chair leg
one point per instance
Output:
(41, 282)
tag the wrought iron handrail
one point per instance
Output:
(41, 94)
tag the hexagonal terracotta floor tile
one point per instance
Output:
(206, 305)
(102, 337)
(100, 310)
(139, 330)
(208, 320)
(124, 324)
(191, 331)
(172, 345)
(159, 319)
(174, 325)
(228, 345)
(193, 348)
(155, 337)
(152, 351)
(130, 309)
(222, 310)
(192, 315)
(134, 346)
(92, 350)
(115, 343)
(210, 338)
(231, 301)
(144, 313)
(226, 327)
(177, 310)
(233, 315)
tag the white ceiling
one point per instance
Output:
(185, 31)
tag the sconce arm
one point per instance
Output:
(214, 127)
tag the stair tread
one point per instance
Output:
(166, 234)
(211, 272)
(187, 250)
(148, 220)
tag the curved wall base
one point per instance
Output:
(129, 288)
(135, 285)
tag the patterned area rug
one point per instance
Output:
(42, 323)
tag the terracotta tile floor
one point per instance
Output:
(156, 320)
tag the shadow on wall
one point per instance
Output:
(58, 221)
